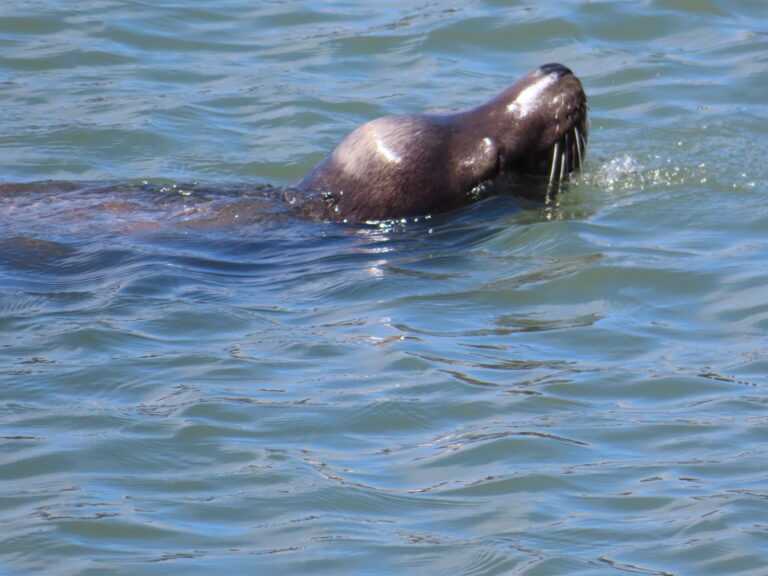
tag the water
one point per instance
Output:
(572, 390)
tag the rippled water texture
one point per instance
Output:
(193, 380)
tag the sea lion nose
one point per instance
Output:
(554, 69)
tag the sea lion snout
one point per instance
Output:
(555, 69)
(547, 128)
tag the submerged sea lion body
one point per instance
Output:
(409, 165)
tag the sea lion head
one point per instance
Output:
(542, 124)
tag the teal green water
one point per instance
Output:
(574, 390)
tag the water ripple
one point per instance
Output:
(195, 380)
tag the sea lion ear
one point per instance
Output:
(482, 163)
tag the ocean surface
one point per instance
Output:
(195, 381)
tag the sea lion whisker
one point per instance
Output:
(555, 156)
(579, 144)
(564, 160)
(563, 168)
(572, 154)
(575, 152)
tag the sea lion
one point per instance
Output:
(417, 164)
